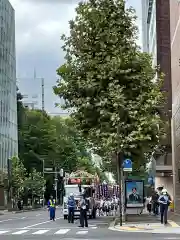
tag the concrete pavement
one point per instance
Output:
(148, 224)
(37, 226)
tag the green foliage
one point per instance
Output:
(109, 83)
(18, 175)
(37, 139)
(35, 182)
(55, 140)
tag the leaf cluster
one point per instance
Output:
(114, 91)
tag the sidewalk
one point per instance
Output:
(6, 212)
(150, 225)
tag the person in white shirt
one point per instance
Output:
(149, 204)
(101, 207)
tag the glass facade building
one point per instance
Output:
(149, 28)
(8, 102)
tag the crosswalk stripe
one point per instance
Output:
(20, 232)
(2, 232)
(81, 232)
(40, 232)
(62, 231)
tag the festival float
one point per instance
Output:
(78, 183)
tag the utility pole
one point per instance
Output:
(119, 171)
(56, 183)
(120, 176)
(43, 186)
(42, 88)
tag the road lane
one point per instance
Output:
(26, 219)
(32, 228)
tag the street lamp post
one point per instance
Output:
(43, 186)
(61, 173)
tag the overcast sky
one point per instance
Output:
(39, 25)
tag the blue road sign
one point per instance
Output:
(127, 165)
(151, 180)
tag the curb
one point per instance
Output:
(26, 210)
(173, 226)
(112, 224)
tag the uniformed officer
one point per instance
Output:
(83, 211)
(164, 201)
(52, 208)
(71, 207)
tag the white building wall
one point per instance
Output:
(166, 182)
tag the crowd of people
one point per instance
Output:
(108, 206)
(157, 203)
(104, 207)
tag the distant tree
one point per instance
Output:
(35, 183)
(18, 177)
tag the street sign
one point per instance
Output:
(48, 169)
(151, 180)
(127, 165)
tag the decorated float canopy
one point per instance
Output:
(81, 177)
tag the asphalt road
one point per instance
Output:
(36, 226)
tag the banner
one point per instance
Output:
(134, 192)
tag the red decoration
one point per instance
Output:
(74, 180)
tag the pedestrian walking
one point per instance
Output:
(83, 211)
(19, 205)
(164, 201)
(71, 207)
(149, 204)
(52, 208)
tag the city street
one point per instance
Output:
(36, 226)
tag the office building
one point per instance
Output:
(156, 41)
(8, 99)
(8, 102)
(175, 70)
(32, 90)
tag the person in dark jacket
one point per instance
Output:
(155, 203)
(134, 196)
(71, 206)
(164, 201)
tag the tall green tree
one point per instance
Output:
(109, 83)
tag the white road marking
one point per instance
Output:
(40, 232)
(7, 220)
(93, 227)
(81, 232)
(171, 238)
(40, 223)
(20, 232)
(2, 232)
(38, 215)
(62, 231)
(23, 217)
